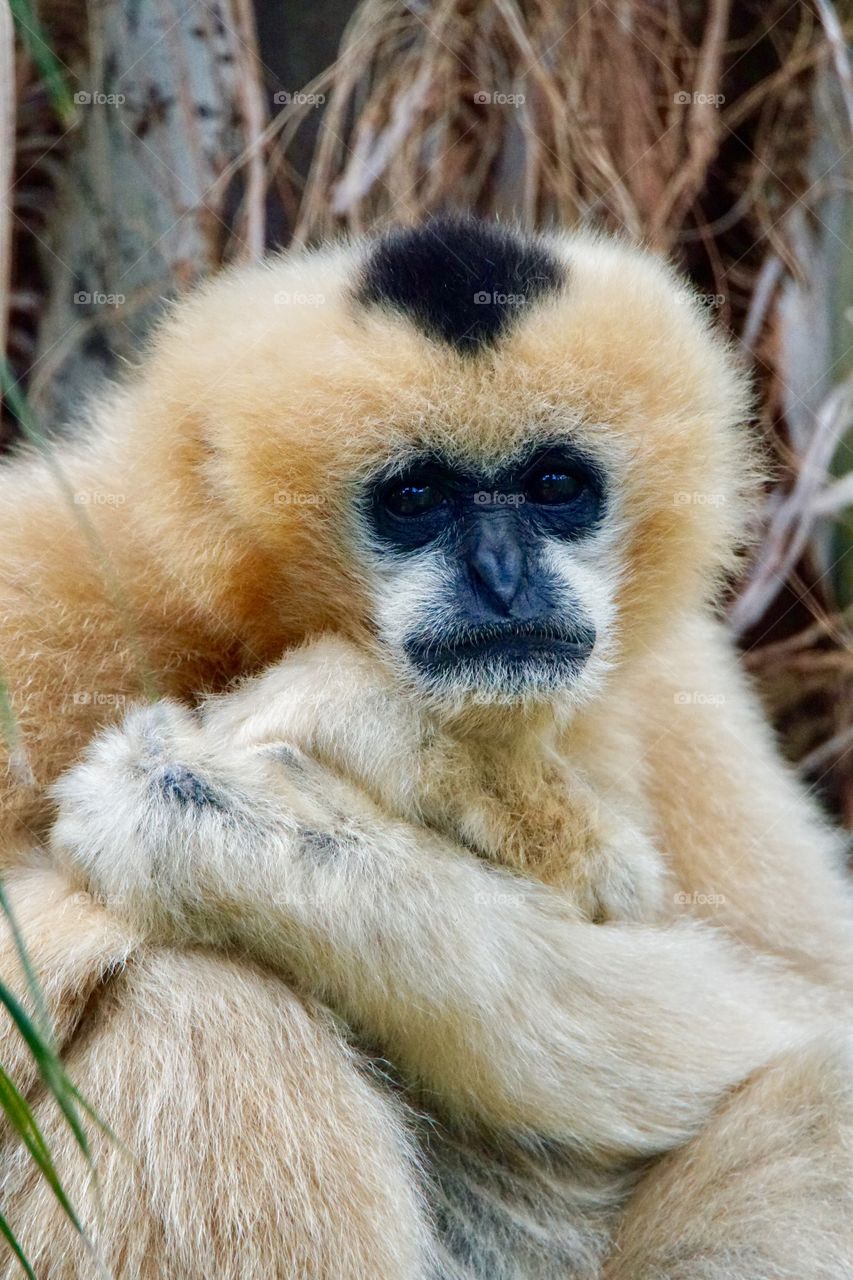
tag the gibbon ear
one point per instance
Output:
(459, 280)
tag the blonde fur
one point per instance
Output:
(602, 937)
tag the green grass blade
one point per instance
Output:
(8, 722)
(49, 1067)
(12, 1241)
(11, 731)
(33, 984)
(50, 68)
(90, 1111)
(23, 1121)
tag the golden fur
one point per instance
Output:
(632, 1101)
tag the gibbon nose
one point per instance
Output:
(498, 561)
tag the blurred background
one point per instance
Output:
(145, 143)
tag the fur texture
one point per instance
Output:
(630, 1035)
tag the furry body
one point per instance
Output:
(623, 1100)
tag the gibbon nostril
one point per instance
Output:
(498, 563)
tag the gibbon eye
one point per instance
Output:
(413, 497)
(554, 485)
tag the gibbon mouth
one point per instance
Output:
(517, 644)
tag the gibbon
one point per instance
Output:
(479, 931)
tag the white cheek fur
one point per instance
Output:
(412, 592)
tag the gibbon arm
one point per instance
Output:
(483, 987)
(751, 850)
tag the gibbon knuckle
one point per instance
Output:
(320, 846)
(175, 782)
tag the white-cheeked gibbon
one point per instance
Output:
(477, 932)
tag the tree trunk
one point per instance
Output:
(163, 181)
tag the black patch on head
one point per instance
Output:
(461, 281)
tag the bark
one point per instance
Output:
(162, 182)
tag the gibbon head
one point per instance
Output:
(509, 459)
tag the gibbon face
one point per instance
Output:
(477, 584)
(510, 459)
